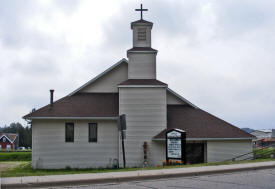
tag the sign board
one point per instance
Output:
(174, 148)
(122, 122)
(176, 145)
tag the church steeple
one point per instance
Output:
(142, 58)
(141, 31)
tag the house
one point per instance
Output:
(80, 130)
(264, 137)
(263, 133)
(8, 141)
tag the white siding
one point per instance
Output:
(145, 43)
(142, 65)
(108, 83)
(225, 150)
(173, 99)
(145, 110)
(51, 151)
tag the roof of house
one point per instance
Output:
(142, 21)
(142, 82)
(11, 136)
(142, 49)
(80, 105)
(199, 124)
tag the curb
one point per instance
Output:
(132, 178)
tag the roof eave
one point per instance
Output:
(73, 118)
(208, 139)
(143, 86)
(182, 98)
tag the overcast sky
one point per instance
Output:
(220, 55)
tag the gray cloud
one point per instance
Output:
(217, 54)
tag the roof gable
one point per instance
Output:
(180, 98)
(9, 136)
(110, 82)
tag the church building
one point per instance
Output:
(80, 130)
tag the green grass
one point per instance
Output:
(15, 156)
(264, 153)
(24, 169)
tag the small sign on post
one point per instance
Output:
(122, 128)
(176, 145)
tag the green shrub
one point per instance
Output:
(264, 153)
(15, 156)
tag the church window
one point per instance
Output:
(142, 34)
(92, 132)
(69, 132)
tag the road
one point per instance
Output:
(260, 179)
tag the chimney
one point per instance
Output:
(51, 97)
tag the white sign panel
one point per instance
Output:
(174, 134)
(174, 148)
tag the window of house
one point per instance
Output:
(92, 132)
(69, 132)
(142, 34)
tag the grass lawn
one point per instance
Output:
(24, 168)
(15, 156)
(264, 153)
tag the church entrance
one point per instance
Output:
(194, 153)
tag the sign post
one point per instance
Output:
(122, 128)
(176, 145)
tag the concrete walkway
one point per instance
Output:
(73, 179)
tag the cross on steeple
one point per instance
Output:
(141, 10)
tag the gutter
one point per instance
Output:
(209, 139)
(71, 118)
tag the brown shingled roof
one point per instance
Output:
(142, 49)
(142, 21)
(81, 105)
(142, 82)
(199, 124)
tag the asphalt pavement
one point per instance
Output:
(259, 179)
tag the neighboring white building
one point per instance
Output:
(80, 130)
(263, 133)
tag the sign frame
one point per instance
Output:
(182, 138)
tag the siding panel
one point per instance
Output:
(224, 150)
(51, 151)
(145, 110)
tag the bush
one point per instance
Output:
(15, 156)
(264, 153)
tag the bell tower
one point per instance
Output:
(142, 58)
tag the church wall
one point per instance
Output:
(142, 66)
(173, 99)
(108, 83)
(224, 150)
(50, 151)
(139, 43)
(145, 110)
